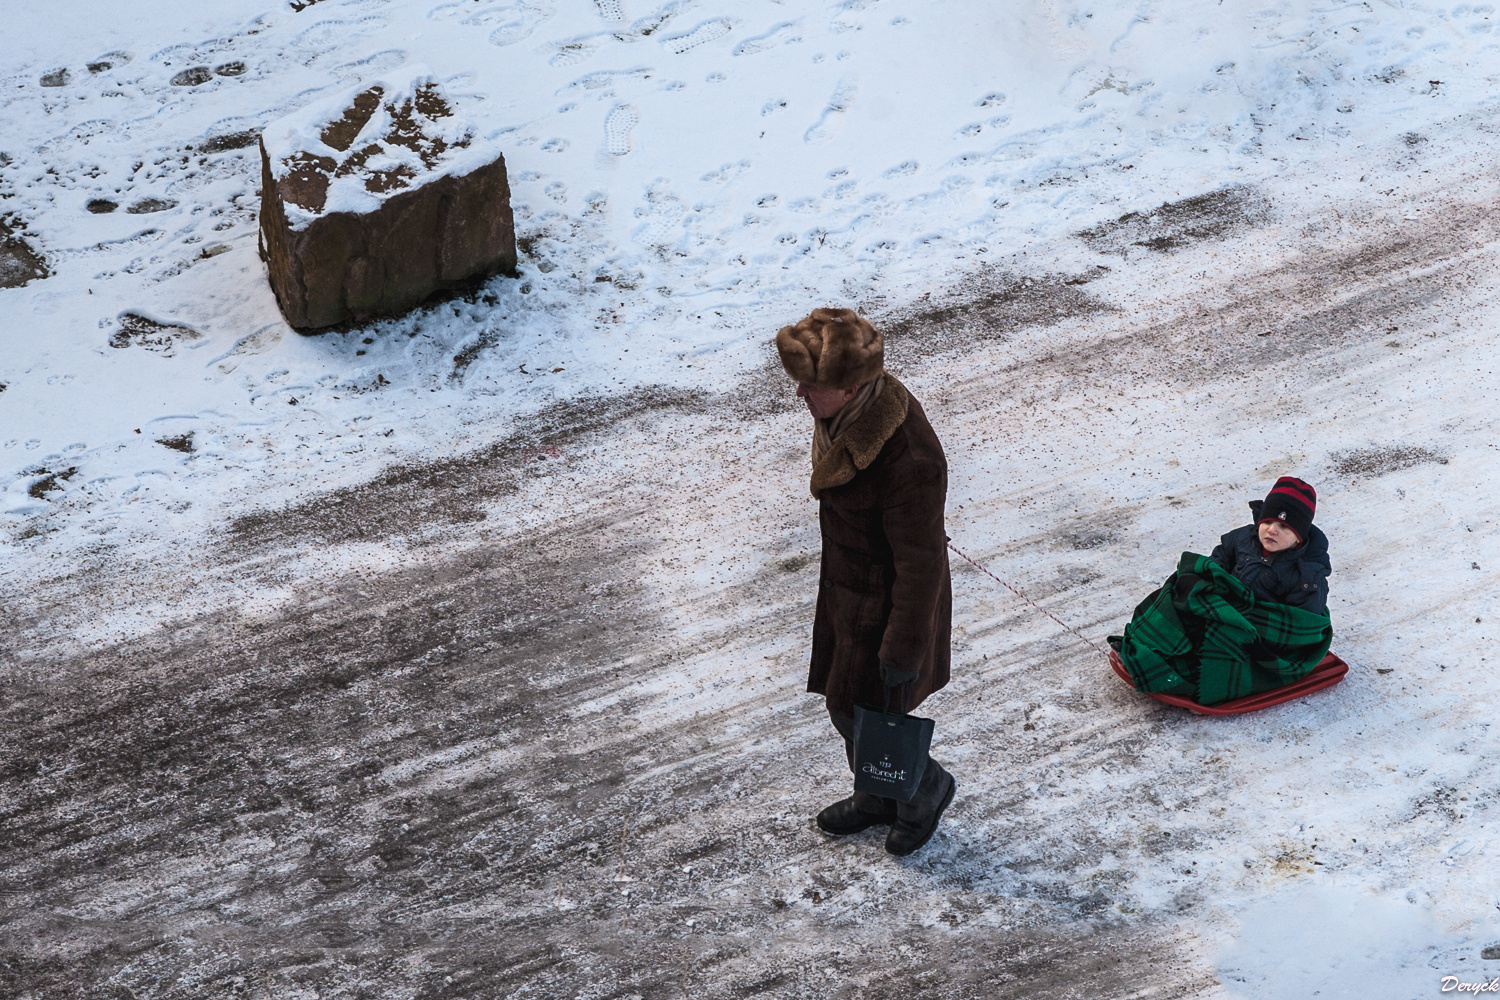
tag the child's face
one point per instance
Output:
(1276, 537)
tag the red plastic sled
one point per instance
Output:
(1326, 674)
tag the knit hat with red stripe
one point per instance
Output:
(1293, 503)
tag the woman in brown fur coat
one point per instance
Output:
(884, 599)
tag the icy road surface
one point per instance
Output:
(527, 722)
(446, 674)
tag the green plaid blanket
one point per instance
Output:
(1204, 636)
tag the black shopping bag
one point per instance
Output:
(890, 751)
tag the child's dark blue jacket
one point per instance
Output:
(1298, 576)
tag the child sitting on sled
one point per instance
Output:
(1281, 556)
(1251, 617)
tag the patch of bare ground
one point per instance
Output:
(1327, 297)
(987, 305)
(1381, 459)
(141, 331)
(19, 261)
(1179, 224)
(49, 480)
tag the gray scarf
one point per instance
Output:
(825, 432)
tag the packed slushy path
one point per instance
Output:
(527, 722)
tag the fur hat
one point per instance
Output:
(1293, 503)
(832, 349)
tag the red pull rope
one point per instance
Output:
(967, 558)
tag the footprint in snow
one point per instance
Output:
(380, 62)
(512, 21)
(195, 76)
(974, 128)
(109, 61)
(223, 141)
(162, 338)
(610, 10)
(496, 14)
(515, 22)
(651, 24)
(147, 206)
(192, 77)
(608, 78)
(828, 123)
(332, 34)
(782, 34)
(706, 32)
(572, 53)
(727, 172)
(621, 120)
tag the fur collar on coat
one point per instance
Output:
(858, 446)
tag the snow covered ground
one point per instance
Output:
(685, 178)
(458, 655)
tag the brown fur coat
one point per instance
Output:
(884, 591)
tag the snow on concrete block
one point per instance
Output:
(373, 201)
